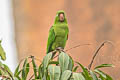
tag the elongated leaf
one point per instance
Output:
(27, 69)
(54, 72)
(24, 69)
(5, 71)
(18, 75)
(23, 75)
(101, 78)
(45, 63)
(54, 62)
(71, 63)
(40, 71)
(104, 65)
(2, 52)
(103, 75)
(63, 61)
(108, 77)
(16, 70)
(17, 78)
(2, 71)
(85, 72)
(1, 64)
(46, 60)
(100, 73)
(78, 76)
(8, 70)
(75, 69)
(34, 67)
(93, 75)
(66, 75)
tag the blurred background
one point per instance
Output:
(7, 33)
(26, 24)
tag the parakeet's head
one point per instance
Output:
(60, 17)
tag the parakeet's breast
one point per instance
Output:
(61, 32)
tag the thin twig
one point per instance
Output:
(55, 56)
(76, 47)
(96, 52)
(38, 60)
(71, 49)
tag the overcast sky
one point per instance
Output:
(7, 33)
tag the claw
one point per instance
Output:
(59, 49)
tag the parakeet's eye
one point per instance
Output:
(61, 17)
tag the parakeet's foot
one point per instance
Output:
(60, 49)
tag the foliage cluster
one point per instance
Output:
(62, 68)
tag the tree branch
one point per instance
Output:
(96, 52)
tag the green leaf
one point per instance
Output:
(63, 61)
(5, 71)
(85, 72)
(1, 64)
(100, 73)
(75, 69)
(27, 69)
(46, 60)
(24, 70)
(78, 76)
(54, 72)
(18, 74)
(16, 70)
(101, 78)
(66, 75)
(71, 63)
(8, 70)
(54, 62)
(108, 77)
(45, 63)
(2, 71)
(40, 71)
(17, 78)
(103, 75)
(23, 75)
(34, 67)
(2, 52)
(93, 75)
(104, 65)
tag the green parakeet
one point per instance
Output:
(58, 33)
(2, 53)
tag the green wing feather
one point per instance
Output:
(51, 39)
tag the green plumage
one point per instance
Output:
(58, 33)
